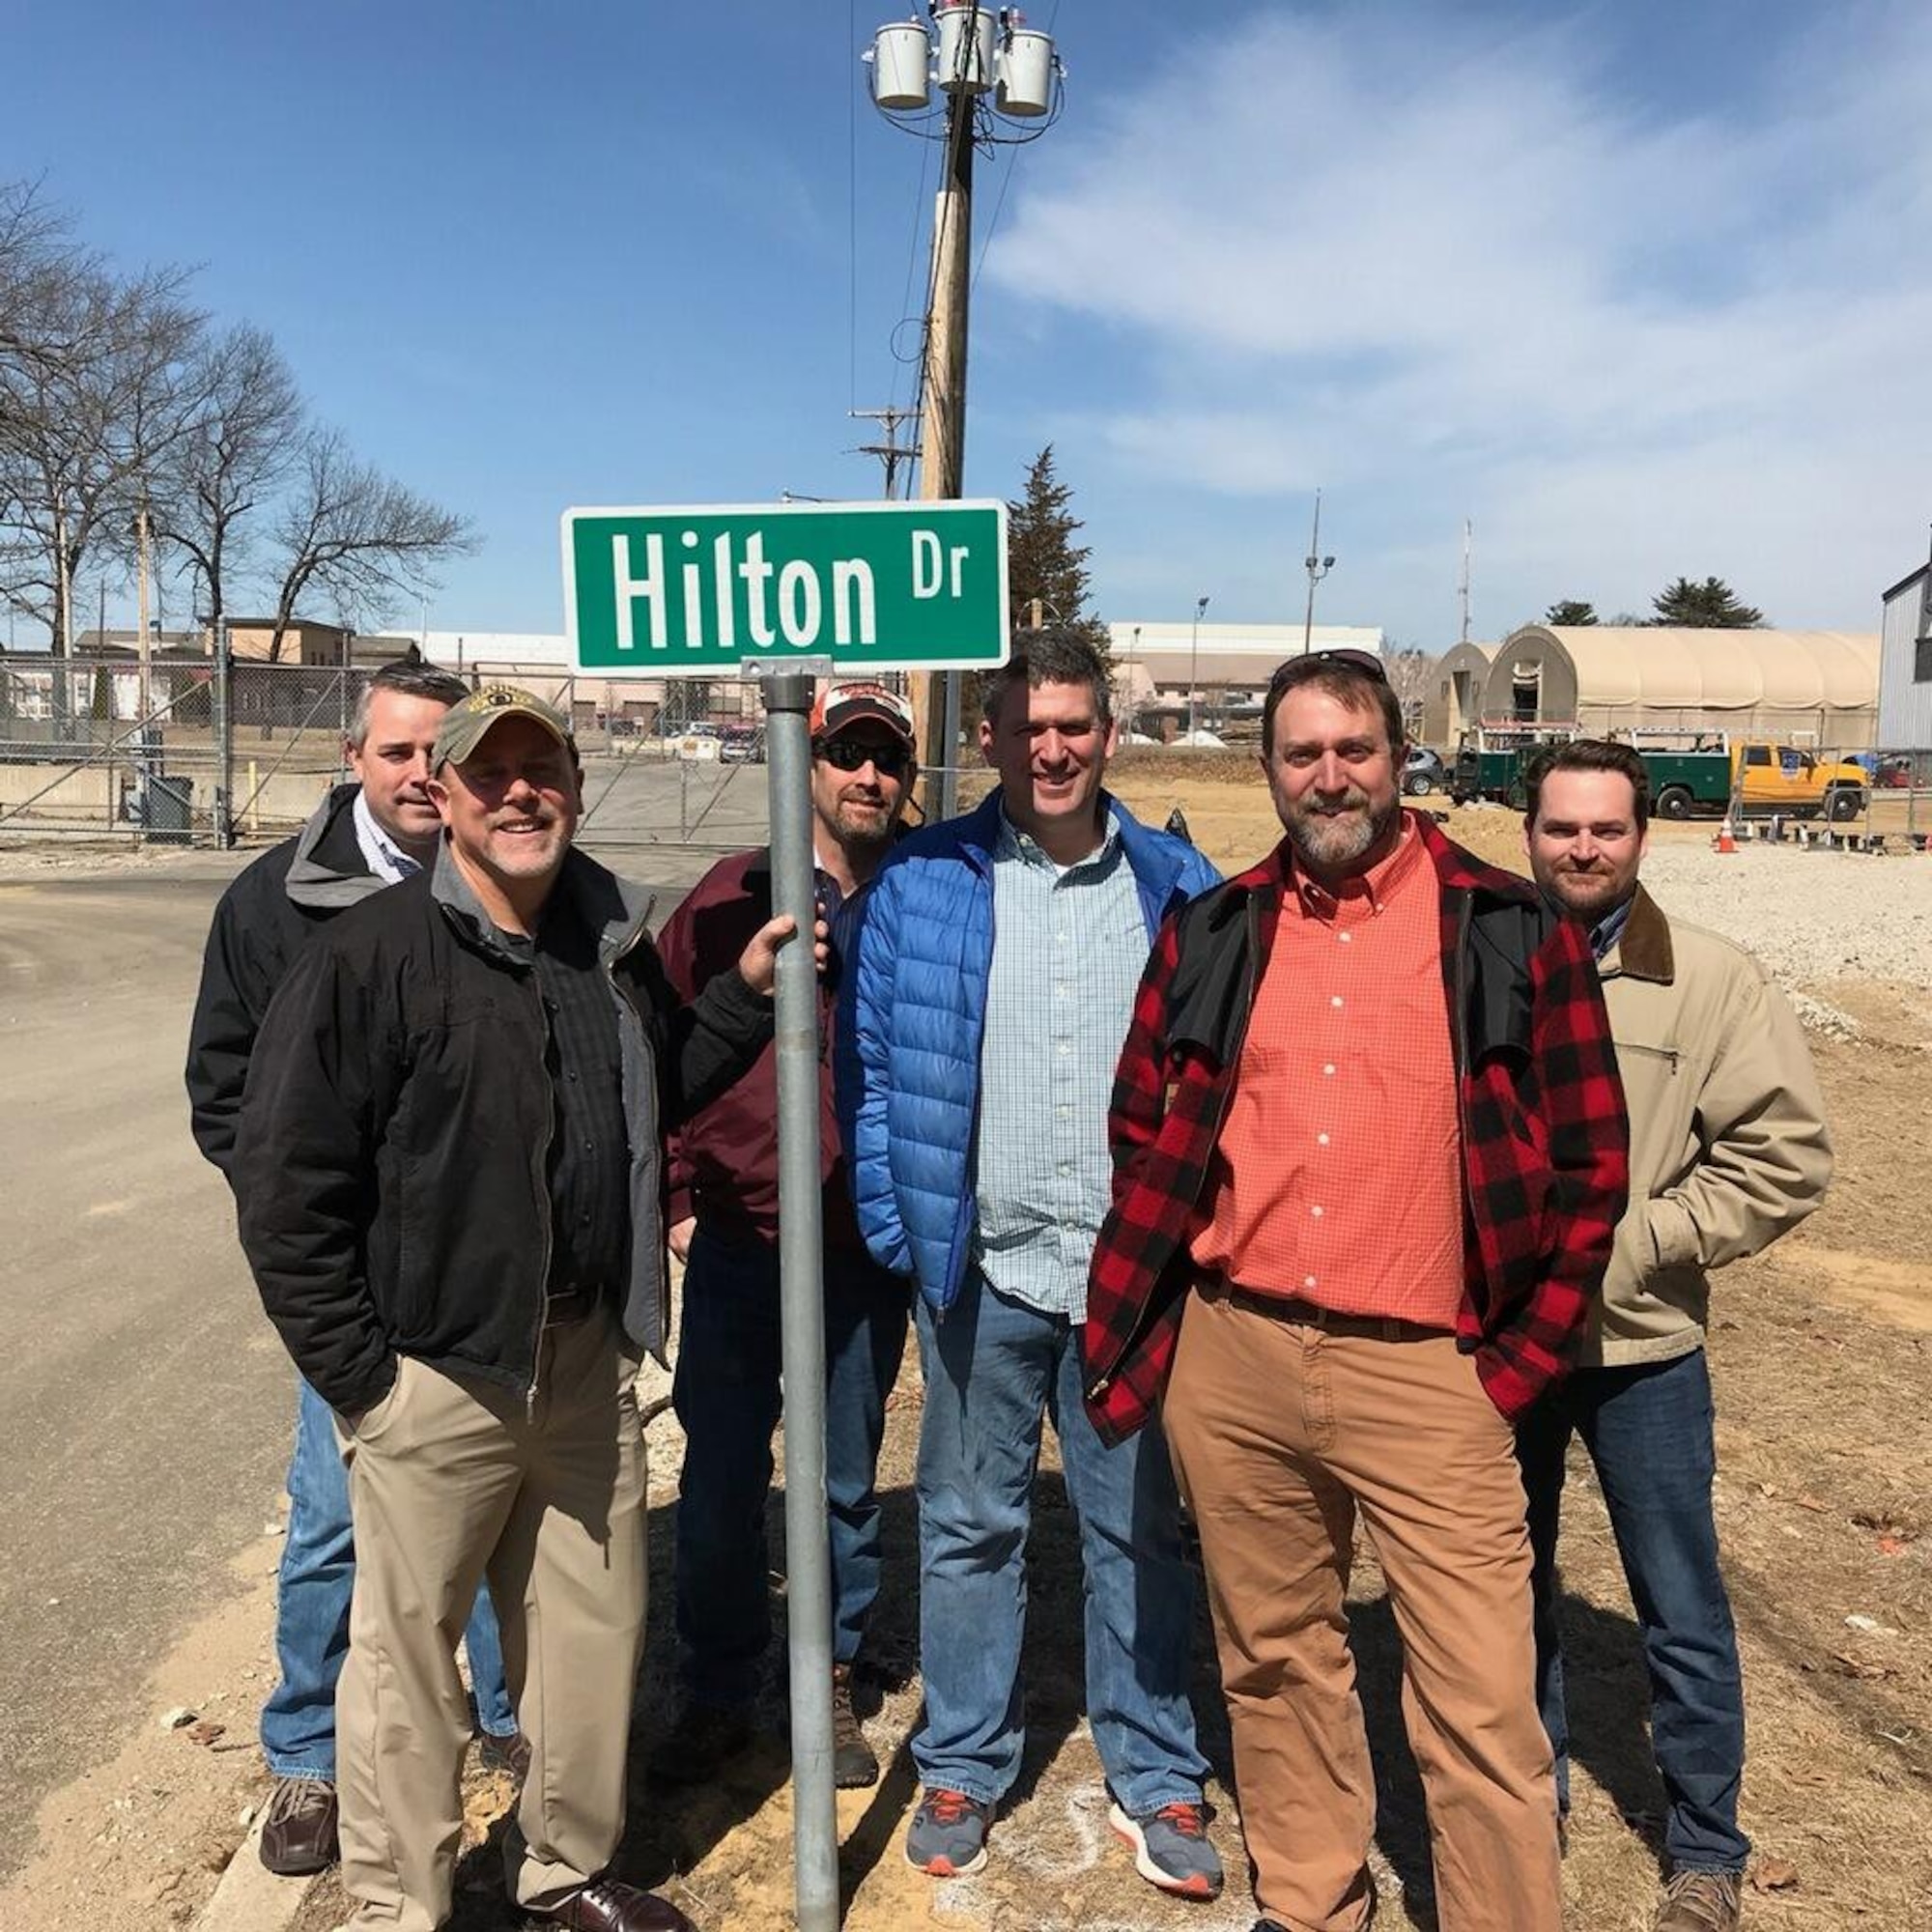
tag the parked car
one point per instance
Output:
(1423, 770)
(741, 745)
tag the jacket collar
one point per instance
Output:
(1643, 950)
(614, 909)
(328, 871)
(1155, 860)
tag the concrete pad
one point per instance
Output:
(250, 1897)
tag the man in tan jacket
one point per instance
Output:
(1728, 1151)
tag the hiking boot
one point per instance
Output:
(948, 1834)
(1171, 1849)
(511, 1755)
(298, 1828)
(854, 1763)
(703, 1739)
(1700, 1901)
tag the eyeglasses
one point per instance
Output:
(852, 754)
(1312, 664)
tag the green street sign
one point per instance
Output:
(873, 587)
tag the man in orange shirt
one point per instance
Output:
(1370, 1142)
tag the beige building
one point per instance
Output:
(1798, 686)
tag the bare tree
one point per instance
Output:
(89, 404)
(238, 447)
(1410, 671)
(348, 532)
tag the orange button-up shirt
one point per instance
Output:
(1337, 1177)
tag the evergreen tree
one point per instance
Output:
(1710, 605)
(1570, 611)
(1044, 561)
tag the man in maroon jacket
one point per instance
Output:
(1369, 1142)
(723, 1224)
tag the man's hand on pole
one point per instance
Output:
(758, 964)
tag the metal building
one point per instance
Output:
(1905, 665)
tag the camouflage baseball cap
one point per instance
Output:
(464, 725)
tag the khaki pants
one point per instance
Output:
(448, 1478)
(1281, 1432)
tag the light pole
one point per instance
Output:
(1318, 567)
(1194, 667)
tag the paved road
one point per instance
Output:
(144, 1401)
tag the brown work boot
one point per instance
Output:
(298, 1828)
(1700, 1901)
(854, 1763)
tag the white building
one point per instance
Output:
(1157, 665)
(1905, 665)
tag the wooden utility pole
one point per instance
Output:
(892, 452)
(942, 431)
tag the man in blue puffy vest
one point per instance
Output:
(980, 1018)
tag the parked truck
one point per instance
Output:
(1712, 775)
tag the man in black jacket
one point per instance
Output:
(368, 835)
(449, 1176)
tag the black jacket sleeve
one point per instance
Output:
(238, 981)
(305, 1173)
(709, 1042)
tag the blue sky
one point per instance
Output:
(1641, 289)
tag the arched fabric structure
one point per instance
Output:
(1458, 692)
(1818, 685)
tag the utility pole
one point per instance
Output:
(1468, 532)
(942, 415)
(892, 452)
(1318, 567)
(991, 67)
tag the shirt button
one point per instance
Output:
(1345, 937)
(1061, 1046)
(570, 1076)
(1316, 1212)
(1067, 1167)
(1320, 1139)
(1336, 1000)
(1328, 1069)
(1308, 1281)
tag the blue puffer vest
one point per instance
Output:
(912, 1012)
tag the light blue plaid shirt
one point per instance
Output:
(1068, 950)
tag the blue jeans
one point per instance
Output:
(317, 1575)
(728, 1394)
(1648, 1431)
(994, 1370)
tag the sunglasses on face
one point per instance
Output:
(851, 754)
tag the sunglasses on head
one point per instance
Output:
(1312, 664)
(851, 754)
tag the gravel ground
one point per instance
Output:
(1812, 918)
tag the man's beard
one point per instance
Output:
(1331, 841)
(1601, 895)
(869, 828)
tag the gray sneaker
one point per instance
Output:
(1700, 1901)
(1171, 1849)
(948, 1834)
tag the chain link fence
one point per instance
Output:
(188, 750)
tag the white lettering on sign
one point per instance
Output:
(757, 573)
(631, 587)
(855, 612)
(707, 599)
(926, 563)
(800, 603)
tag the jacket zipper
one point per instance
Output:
(1105, 1380)
(626, 1004)
(1669, 1055)
(538, 1169)
(1466, 916)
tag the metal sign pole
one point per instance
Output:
(788, 697)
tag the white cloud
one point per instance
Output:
(1441, 267)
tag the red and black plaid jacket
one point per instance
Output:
(1545, 1138)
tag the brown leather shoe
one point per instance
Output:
(854, 1763)
(298, 1828)
(606, 1906)
(1700, 1901)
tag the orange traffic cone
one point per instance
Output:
(1725, 840)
